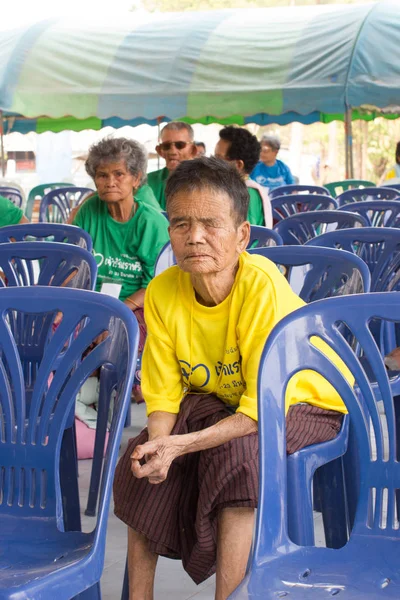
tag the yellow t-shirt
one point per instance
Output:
(199, 349)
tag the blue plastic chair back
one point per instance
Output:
(378, 213)
(315, 274)
(13, 194)
(285, 206)
(367, 194)
(260, 237)
(379, 247)
(52, 232)
(284, 190)
(39, 191)
(300, 228)
(47, 263)
(368, 565)
(37, 559)
(394, 186)
(56, 205)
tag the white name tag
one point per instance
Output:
(111, 289)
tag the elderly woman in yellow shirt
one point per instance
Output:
(187, 486)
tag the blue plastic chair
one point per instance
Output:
(368, 565)
(314, 276)
(47, 263)
(379, 247)
(318, 273)
(285, 206)
(52, 232)
(394, 186)
(284, 190)
(13, 194)
(299, 229)
(39, 191)
(37, 558)
(378, 213)
(260, 237)
(367, 194)
(56, 205)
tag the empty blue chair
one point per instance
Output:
(285, 206)
(37, 558)
(13, 194)
(321, 273)
(300, 228)
(259, 237)
(56, 205)
(284, 190)
(369, 194)
(318, 273)
(38, 192)
(47, 263)
(53, 232)
(379, 247)
(393, 186)
(368, 565)
(378, 213)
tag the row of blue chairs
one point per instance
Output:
(55, 205)
(43, 552)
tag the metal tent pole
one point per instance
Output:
(348, 129)
(2, 154)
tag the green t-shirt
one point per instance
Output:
(255, 213)
(145, 194)
(156, 180)
(9, 213)
(125, 252)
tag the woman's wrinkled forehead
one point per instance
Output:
(202, 200)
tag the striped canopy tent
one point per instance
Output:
(307, 64)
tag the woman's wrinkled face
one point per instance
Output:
(114, 183)
(204, 235)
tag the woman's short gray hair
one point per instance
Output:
(272, 141)
(112, 149)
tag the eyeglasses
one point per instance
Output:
(165, 146)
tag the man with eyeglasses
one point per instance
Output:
(176, 145)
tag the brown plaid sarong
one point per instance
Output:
(179, 516)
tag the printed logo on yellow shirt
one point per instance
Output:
(202, 372)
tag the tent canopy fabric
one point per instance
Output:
(269, 65)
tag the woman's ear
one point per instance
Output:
(243, 236)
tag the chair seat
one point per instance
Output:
(26, 563)
(325, 573)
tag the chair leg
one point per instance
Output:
(98, 453)
(92, 593)
(396, 401)
(329, 480)
(69, 482)
(125, 585)
(299, 502)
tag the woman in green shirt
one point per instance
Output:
(127, 233)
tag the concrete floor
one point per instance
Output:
(172, 582)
